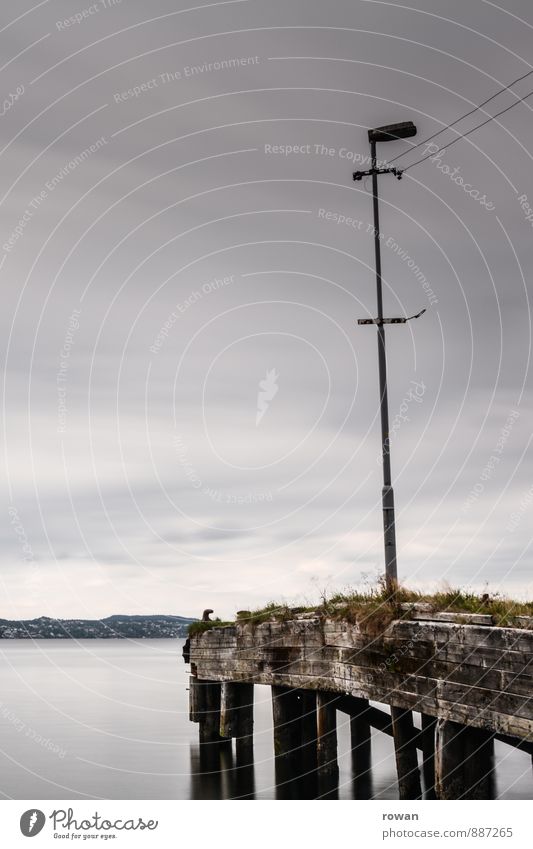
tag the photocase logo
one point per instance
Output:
(32, 822)
(268, 389)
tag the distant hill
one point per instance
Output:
(112, 627)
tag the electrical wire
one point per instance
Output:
(463, 135)
(466, 115)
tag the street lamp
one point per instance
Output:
(392, 132)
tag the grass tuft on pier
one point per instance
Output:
(375, 607)
(502, 609)
(378, 607)
(200, 626)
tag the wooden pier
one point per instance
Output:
(471, 682)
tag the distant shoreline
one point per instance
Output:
(156, 626)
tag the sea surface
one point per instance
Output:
(108, 719)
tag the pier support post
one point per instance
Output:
(194, 697)
(295, 742)
(464, 762)
(204, 707)
(237, 717)
(286, 714)
(237, 720)
(360, 735)
(429, 724)
(404, 733)
(327, 766)
(309, 735)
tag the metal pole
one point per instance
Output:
(389, 532)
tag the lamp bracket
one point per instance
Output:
(358, 175)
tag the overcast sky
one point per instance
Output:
(190, 409)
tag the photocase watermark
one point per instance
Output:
(96, 822)
(49, 186)
(268, 389)
(27, 731)
(218, 495)
(9, 101)
(86, 13)
(392, 245)
(414, 394)
(516, 516)
(64, 364)
(182, 453)
(493, 461)
(185, 73)
(319, 149)
(454, 175)
(182, 307)
(20, 531)
(65, 824)
(523, 200)
(338, 218)
(391, 662)
(74, 163)
(32, 822)
(226, 497)
(344, 220)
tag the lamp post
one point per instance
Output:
(384, 134)
(403, 728)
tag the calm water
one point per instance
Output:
(109, 719)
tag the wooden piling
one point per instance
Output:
(194, 699)
(237, 717)
(286, 715)
(327, 765)
(464, 762)
(229, 703)
(204, 701)
(404, 734)
(428, 751)
(360, 735)
(480, 771)
(308, 730)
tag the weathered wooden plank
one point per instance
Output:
(458, 618)
(515, 663)
(408, 661)
(369, 686)
(421, 685)
(445, 645)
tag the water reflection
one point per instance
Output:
(225, 769)
(219, 772)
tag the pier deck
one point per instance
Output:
(471, 681)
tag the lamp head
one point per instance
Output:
(392, 132)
